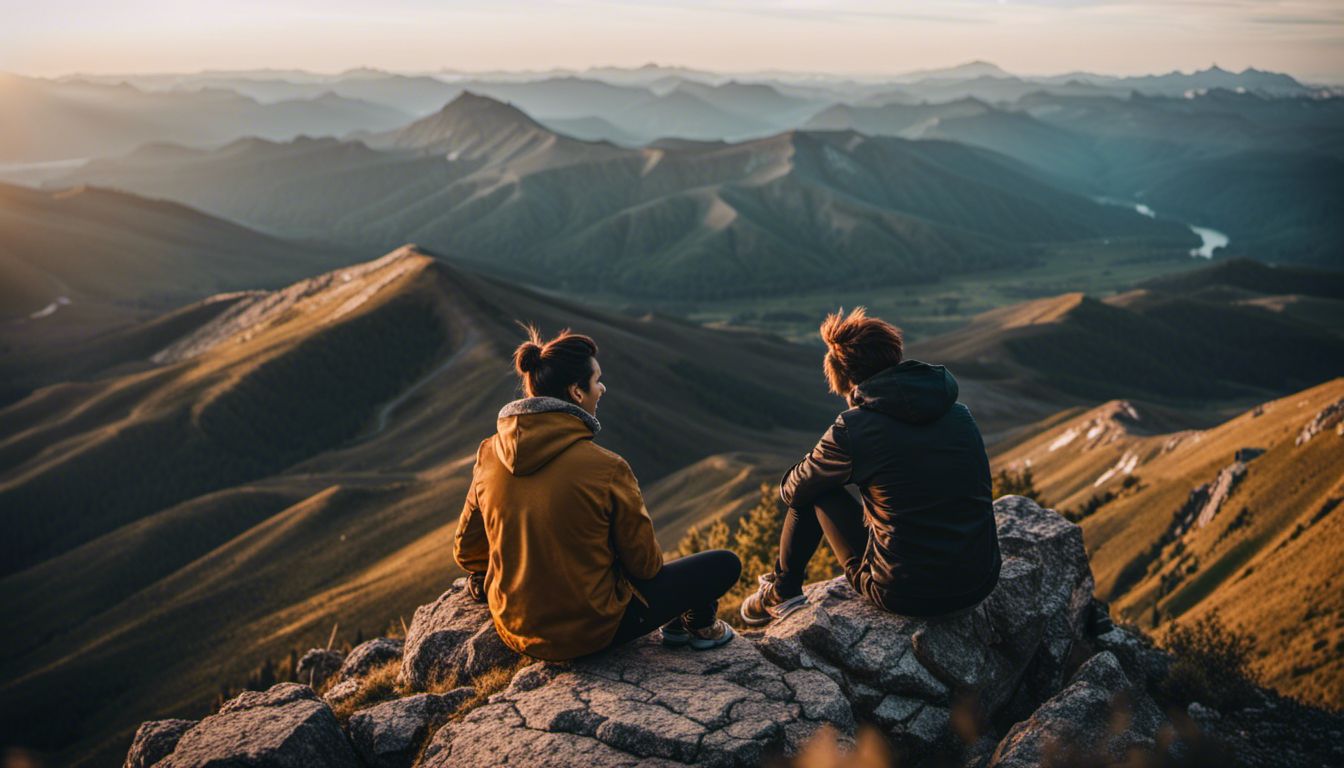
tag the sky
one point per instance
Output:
(1304, 38)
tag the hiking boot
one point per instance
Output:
(766, 604)
(713, 636)
(675, 634)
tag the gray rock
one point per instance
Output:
(390, 734)
(368, 655)
(1144, 663)
(648, 705)
(154, 741)
(317, 665)
(286, 726)
(453, 637)
(904, 673)
(343, 690)
(1098, 719)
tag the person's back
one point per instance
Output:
(924, 541)
(920, 465)
(558, 511)
(554, 534)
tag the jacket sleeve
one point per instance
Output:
(471, 548)
(632, 528)
(826, 468)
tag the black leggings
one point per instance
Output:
(689, 586)
(839, 517)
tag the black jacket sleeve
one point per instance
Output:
(826, 468)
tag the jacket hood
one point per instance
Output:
(911, 391)
(534, 430)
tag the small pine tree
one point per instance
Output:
(1018, 484)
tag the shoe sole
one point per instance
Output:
(777, 612)
(705, 645)
(676, 641)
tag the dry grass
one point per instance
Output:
(378, 686)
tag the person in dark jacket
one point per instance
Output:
(923, 541)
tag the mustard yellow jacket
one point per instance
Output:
(558, 526)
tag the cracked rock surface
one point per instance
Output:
(648, 705)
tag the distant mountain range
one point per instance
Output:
(483, 181)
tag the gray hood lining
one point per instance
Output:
(550, 405)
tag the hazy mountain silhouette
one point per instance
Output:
(799, 209)
(75, 119)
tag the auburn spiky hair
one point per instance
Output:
(858, 346)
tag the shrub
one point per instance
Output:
(1211, 664)
(1018, 484)
(755, 539)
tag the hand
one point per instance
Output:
(476, 586)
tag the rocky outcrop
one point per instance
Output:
(452, 638)
(287, 726)
(390, 734)
(1329, 416)
(154, 741)
(1099, 718)
(1018, 680)
(906, 674)
(649, 705)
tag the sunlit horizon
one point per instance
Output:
(1303, 38)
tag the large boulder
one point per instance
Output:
(1099, 719)
(997, 661)
(452, 638)
(287, 726)
(154, 741)
(646, 704)
(390, 734)
(369, 654)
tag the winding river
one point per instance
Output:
(1210, 239)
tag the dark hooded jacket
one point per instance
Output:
(919, 462)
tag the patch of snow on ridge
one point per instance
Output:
(1064, 439)
(50, 309)
(1124, 466)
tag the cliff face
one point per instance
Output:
(1034, 669)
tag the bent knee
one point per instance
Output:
(727, 565)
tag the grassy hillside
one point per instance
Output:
(228, 507)
(80, 266)
(1264, 553)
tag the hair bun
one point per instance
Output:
(527, 357)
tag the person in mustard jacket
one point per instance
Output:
(554, 534)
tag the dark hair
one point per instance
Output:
(858, 346)
(548, 368)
